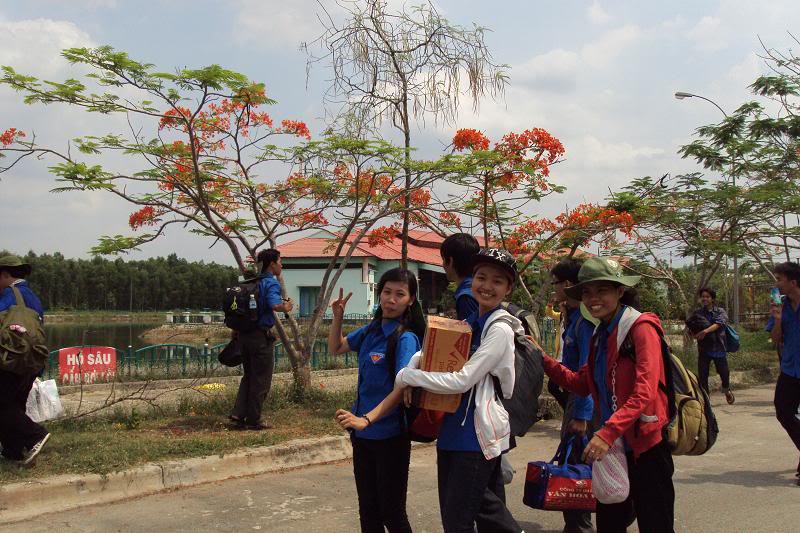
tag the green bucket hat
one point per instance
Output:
(600, 269)
(15, 261)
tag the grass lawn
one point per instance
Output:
(756, 351)
(190, 428)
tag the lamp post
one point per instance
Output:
(680, 95)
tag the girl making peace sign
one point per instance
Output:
(381, 448)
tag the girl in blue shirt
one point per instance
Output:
(381, 448)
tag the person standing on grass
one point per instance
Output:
(576, 340)
(381, 446)
(625, 389)
(458, 251)
(20, 437)
(707, 325)
(784, 327)
(258, 346)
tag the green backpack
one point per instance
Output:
(22, 342)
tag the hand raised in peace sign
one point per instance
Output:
(338, 305)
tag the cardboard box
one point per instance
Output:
(445, 349)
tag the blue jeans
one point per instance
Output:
(471, 493)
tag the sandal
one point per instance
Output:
(729, 397)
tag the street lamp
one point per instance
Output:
(681, 95)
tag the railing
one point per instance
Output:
(165, 361)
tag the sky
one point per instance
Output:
(599, 75)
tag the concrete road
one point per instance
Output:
(745, 483)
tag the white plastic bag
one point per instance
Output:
(610, 482)
(43, 401)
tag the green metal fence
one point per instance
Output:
(165, 361)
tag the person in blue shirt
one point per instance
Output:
(381, 446)
(458, 252)
(576, 341)
(22, 439)
(711, 321)
(258, 346)
(784, 327)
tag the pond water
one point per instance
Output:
(115, 334)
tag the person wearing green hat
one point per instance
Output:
(624, 384)
(22, 439)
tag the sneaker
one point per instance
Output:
(31, 454)
(729, 397)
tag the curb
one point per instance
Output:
(24, 500)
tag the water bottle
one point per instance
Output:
(775, 296)
(253, 307)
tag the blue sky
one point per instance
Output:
(599, 75)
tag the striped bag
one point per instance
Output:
(610, 483)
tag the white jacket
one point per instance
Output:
(494, 356)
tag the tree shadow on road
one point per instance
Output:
(743, 478)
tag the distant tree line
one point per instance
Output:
(157, 284)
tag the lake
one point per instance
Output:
(98, 334)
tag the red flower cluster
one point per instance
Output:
(306, 219)
(146, 216)
(383, 235)
(10, 136)
(471, 139)
(449, 218)
(296, 127)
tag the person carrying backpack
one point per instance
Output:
(381, 446)
(627, 392)
(258, 345)
(21, 438)
(707, 326)
(472, 439)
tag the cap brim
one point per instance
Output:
(576, 291)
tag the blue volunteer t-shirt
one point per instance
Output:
(375, 379)
(790, 326)
(576, 340)
(466, 304)
(270, 295)
(601, 366)
(7, 298)
(457, 433)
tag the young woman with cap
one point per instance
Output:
(625, 388)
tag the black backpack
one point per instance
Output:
(527, 318)
(240, 314)
(523, 406)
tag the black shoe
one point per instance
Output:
(259, 427)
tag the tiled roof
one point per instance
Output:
(312, 247)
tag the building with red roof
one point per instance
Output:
(306, 259)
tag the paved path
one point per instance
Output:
(745, 483)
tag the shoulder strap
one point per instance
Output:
(18, 296)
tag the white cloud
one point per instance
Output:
(596, 13)
(602, 52)
(555, 70)
(36, 44)
(597, 153)
(708, 35)
(264, 23)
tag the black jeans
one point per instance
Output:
(577, 521)
(652, 496)
(381, 471)
(464, 500)
(787, 399)
(17, 431)
(258, 362)
(720, 363)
